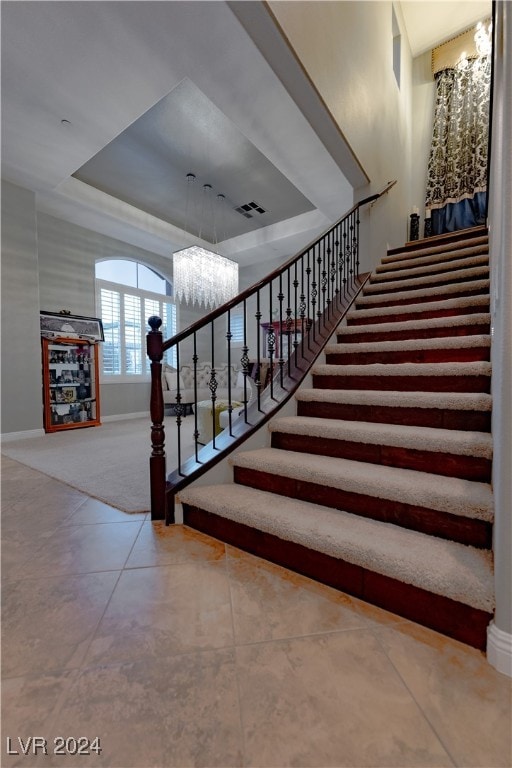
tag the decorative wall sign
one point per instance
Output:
(58, 324)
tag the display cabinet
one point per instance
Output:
(70, 384)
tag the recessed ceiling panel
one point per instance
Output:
(147, 166)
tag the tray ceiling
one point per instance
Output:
(147, 164)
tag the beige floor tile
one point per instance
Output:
(24, 515)
(19, 545)
(384, 693)
(332, 700)
(82, 549)
(180, 711)
(29, 706)
(47, 623)
(465, 699)
(159, 544)
(25, 529)
(7, 463)
(164, 611)
(95, 511)
(270, 602)
(40, 495)
(12, 471)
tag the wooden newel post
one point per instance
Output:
(157, 471)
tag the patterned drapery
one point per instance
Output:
(457, 168)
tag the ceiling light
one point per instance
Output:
(201, 276)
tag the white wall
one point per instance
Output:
(21, 344)
(423, 102)
(48, 264)
(347, 51)
(67, 258)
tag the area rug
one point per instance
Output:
(109, 463)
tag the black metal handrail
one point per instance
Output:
(285, 320)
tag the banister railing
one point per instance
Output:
(236, 366)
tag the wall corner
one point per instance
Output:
(499, 649)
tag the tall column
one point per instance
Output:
(499, 646)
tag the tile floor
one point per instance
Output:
(176, 650)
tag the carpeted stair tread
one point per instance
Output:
(444, 342)
(442, 567)
(381, 276)
(442, 291)
(455, 442)
(451, 495)
(471, 273)
(460, 302)
(476, 368)
(445, 260)
(468, 249)
(466, 401)
(478, 318)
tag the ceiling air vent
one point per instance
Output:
(248, 209)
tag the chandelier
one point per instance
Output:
(201, 276)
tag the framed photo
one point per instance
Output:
(55, 324)
(68, 395)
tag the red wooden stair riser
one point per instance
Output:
(438, 418)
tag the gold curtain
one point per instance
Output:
(449, 54)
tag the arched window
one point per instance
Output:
(127, 294)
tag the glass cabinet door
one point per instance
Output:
(70, 384)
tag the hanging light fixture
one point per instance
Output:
(201, 276)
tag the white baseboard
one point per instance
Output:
(178, 513)
(499, 649)
(123, 416)
(8, 437)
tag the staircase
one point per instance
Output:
(380, 485)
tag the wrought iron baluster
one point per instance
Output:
(271, 342)
(357, 242)
(244, 360)
(336, 261)
(319, 273)
(178, 408)
(313, 291)
(325, 261)
(346, 254)
(196, 430)
(258, 344)
(351, 269)
(213, 383)
(332, 270)
(295, 316)
(281, 336)
(302, 305)
(229, 336)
